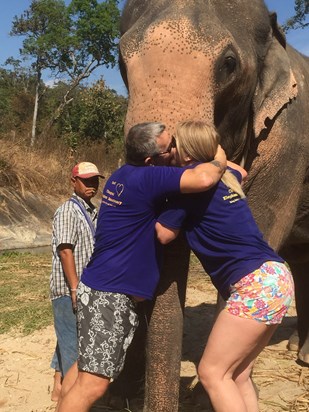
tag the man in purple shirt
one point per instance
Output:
(124, 267)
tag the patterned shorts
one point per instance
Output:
(263, 295)
(106, 325)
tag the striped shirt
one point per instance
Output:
(70, 226)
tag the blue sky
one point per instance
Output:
(9, 46)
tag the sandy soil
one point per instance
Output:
(26, 379)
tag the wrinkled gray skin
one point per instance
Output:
(225, 62)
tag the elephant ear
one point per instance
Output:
(277, 84)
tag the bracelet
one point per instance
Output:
(73, 290)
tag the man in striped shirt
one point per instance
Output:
(72, 245)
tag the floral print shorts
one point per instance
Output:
(106, 324)
(263, 295)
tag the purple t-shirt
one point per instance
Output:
(222, 232)
(126, 252)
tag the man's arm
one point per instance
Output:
(69, 269)
(165, 234)
(199, 179)
(205, 175)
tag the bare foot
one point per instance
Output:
(57, 387)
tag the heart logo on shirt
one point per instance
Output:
(119, 188)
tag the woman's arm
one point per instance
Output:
(165, 234)
(205, 175)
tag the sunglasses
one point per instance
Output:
(171, 146)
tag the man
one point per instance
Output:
(124, 267)
(72, 244)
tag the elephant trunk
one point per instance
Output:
(164, 347)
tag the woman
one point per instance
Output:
(255, 282)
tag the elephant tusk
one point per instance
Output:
(194, 382)
(243, 161)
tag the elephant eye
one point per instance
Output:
(229, 64)
(225, 67)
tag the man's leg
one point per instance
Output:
(106, 324)
(86, 390)
(55, 394)
(66, 332)
(69, 380)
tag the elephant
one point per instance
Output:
(228, 63)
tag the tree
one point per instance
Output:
(70, 41)
(299, 19)
(93, 42)
(45, 24)
(67, 126)
(96, 114)
(102, 114)
(17, 88)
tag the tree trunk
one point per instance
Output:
(36, 107)
(66, 100)
(57, 113)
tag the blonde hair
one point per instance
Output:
(199, 141)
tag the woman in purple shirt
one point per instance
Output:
(255, 282)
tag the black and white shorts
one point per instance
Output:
(106, 324)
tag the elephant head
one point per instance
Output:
(221, 61)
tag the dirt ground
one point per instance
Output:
(283, 385)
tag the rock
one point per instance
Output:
(25, 219)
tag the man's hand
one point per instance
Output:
(74, 300)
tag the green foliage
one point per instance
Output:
(11, 254)
(51, 100)
(72, 139)
(72, 40)
(102, 114)
(6, 96)
(96, 113)
(24, 292)
(16, 97)
(299, 19)
(46, 27)
(69, 40)
(95, 29)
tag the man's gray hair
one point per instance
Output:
(141, 142)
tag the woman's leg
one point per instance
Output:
(226, 364)
(242, 376)
(256, 306)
